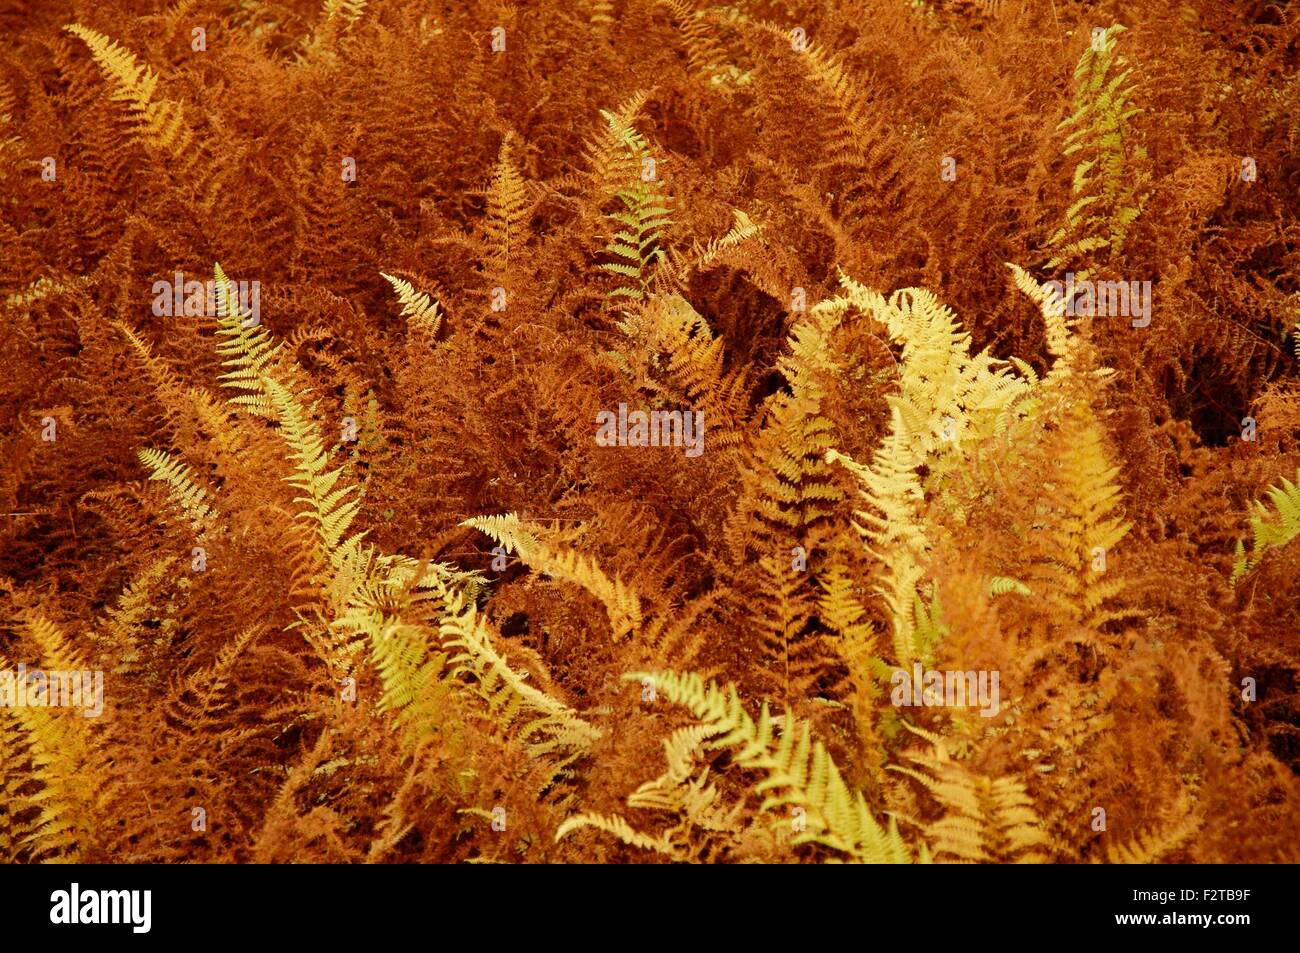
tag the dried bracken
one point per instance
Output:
(649, 430)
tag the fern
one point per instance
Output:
(683, 792)
(506, 225)
(249, 350)
(206, 696)
(1005, 585)
(732, 244)
(16, 816)
(1270, 529)
(704, 54)
(680, 359)
(122, 624)
(621, 603)
(1110, 173)
(348, 11)
(985, 819)
(1082, 527)
(620, 828)
(193, 410)
(66, 762)
(188, 496)
(159, 122)
(420, 312)
(892, 529)
(1150, 847)
(332, 503)
(636, 246)
(795, 771)
(548, 728)
(855, 642)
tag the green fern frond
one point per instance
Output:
(1002, 585)
(636, 246)
(1109, 177)
(1270, 528)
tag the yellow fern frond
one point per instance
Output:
(66, 760)
(249, 350)
(1150, 846)
(546, 726)
(795, 772)
(1059, 338)
(348, 11)
(506, 225)
(621, 603)
(985, 820)
(419, 310)
(159, 122)
(620, 828)
(188, 496)
(332, 502)
(121, 624)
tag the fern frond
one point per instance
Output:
(1002, 585)
(249, 350)
(1110, 175)
(678, 356)
(348, 11)
(620, 828)
(1149, 847)
(189, 497)
(1270, 528)
(66, 761)
(419, 310)
(1059, 327)
(332, 505)
(704, 53)
(621, 602)
(795, 771)
(985, 819)
(506, 225)
(205, 695)
(159, 122)
(636, 243)
(122, 623)
(546, 726)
